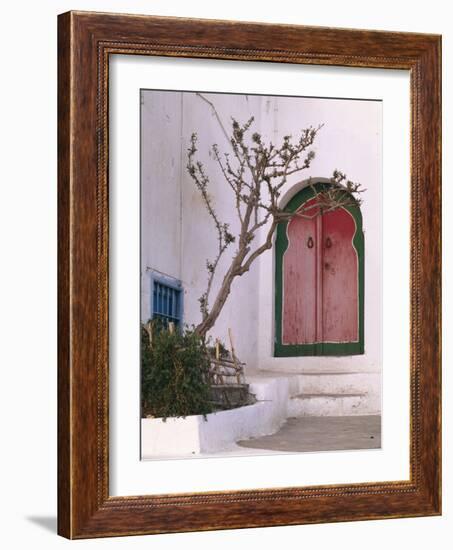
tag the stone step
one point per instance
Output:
(328, 404)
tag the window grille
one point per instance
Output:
(167, 302)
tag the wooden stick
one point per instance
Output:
(227, 363)
(230, 336)
(149, 330)
(237, 364)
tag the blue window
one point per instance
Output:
(167, 298)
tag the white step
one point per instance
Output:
(328, 404)
(333, 383)
(321, 393)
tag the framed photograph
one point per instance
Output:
(249, 275)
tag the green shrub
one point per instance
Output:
(174, 372)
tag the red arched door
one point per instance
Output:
(320, 302)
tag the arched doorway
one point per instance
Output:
(319, 280)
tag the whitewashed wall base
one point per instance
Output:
(194, 435)
(278, 398)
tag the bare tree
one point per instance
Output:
(256, 172)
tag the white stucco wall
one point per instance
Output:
(178, 234)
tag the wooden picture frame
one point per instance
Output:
(85, 42)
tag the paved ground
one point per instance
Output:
(306, 434)
(325, 433)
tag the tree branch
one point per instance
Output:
(261, 167)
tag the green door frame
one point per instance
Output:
(281, 244)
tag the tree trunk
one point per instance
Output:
(224, 291)
(239, 266)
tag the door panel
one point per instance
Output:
(340, 308)
(300, 269)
